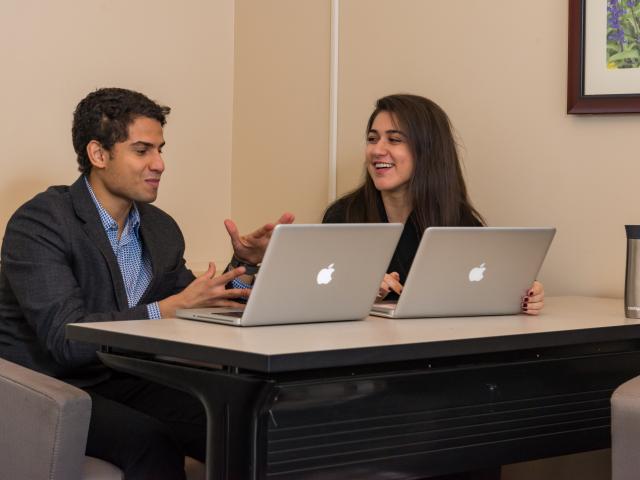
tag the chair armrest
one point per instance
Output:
(625, 430)
(43, 424)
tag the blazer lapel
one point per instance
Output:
(154, 245)
(86, 210)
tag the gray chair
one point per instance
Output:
(625, 431)
(43, 430)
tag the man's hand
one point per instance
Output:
(206, 291)
(250, 248)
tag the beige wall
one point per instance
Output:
(502, 82)
(498, 67)
(281, 110)
(179, 53)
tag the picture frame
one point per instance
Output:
(588, 36)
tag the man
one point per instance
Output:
(98, 251)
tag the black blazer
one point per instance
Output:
(58, 267)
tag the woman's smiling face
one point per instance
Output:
(389, 159)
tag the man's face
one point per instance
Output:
(133, 168)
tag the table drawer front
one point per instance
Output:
(422, 421)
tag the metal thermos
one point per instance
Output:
(632, 279)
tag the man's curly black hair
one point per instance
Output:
(105, 116)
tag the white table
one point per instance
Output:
(379, 397)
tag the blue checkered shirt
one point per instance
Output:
(133, 260)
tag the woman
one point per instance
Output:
(413, 176)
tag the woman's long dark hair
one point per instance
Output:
(437, 189)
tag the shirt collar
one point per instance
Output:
(108, 223)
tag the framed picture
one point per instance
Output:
(604, 56)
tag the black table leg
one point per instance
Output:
(233, 404)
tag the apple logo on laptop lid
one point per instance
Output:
(477, 273)
(325, 275)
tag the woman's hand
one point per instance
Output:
(390, 283)
(533, 300)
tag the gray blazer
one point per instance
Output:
(58, 267)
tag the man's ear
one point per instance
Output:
(98, 156)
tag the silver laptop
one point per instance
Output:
(314, 273)
(465, 271)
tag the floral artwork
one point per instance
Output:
(623, 34)
(603, 57)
